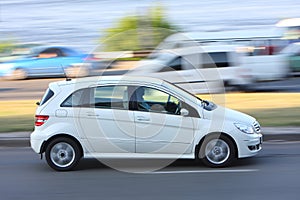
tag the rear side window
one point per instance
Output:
(115, 97)
(99, 97)
(48, 94)
(79, 98)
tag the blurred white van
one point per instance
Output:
(198, 69)
(260, 49)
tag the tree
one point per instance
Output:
(138, 32)
(6, 46)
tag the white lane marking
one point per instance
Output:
(205, 171)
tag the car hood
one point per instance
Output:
(226, 114)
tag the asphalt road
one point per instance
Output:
(273, 174)
(34, 88)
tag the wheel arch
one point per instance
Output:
(62, 135)
(198, 146)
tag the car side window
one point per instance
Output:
(110, 97)
(215, 59)
(48, 95)
(174, 65)
(79, 98)
(153, 100)
(50, 53)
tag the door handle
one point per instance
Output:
(142, 118)
(90, 114)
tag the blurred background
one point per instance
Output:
(239, 47)
(242, 54)
(81, 23)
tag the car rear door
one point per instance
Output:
(107, 124)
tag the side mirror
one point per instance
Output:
(184, 112)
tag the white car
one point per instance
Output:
(137, 117)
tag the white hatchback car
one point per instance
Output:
(137, 117)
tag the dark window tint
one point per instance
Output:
(216, 59)
(70, 52)
(49, 93)
(51, 52)
(192, 111)
(174, 65)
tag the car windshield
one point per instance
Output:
(189, 93)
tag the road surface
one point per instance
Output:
(271, 175)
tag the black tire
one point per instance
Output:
(62, 154)
(217, 150)
(18, 74)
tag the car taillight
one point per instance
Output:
(40, 119)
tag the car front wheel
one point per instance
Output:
(62, 154)
(217, 151)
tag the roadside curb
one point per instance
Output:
(15, 139)
(15, 143)
(278, 134)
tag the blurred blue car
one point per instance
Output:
(51, 61)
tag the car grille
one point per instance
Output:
(256, 127)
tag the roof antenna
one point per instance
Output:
(65, 75)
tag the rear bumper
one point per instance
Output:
(36, 141)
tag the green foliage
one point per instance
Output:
(138, 32)
(6, 46)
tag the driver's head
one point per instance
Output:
(140, 91)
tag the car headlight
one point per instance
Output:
(244, 128)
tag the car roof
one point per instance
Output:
(80, 83)
(111, 80)
(226, 35)
(203, 49)
(41, 48)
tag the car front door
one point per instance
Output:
(160, 129)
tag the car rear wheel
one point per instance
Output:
(62, 154)
(217, 151)
(18, 74)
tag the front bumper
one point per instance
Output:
(250, 145)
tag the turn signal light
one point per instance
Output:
(40, 119)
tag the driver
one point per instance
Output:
(142, 105)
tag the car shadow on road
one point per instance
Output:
(140, 165)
